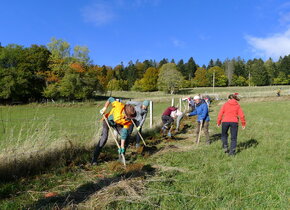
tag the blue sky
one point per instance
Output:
(124, 30)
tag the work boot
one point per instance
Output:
(121, 151)
(163, 131)
(232, 153)
(96, 155)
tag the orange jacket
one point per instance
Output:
(118, 116)
(231, 111)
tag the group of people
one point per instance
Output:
(124, 117)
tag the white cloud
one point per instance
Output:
(272, 46)
(98, 14)
(178, 43)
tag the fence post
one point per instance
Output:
(151, 114)
(172, 102)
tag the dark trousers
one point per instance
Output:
(167, 120)
(205, 125)
(234, 133)
(137, 135)
(103, 139)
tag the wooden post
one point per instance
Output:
(151, 114)
(172, 102)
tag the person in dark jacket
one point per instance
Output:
(229, 115)
(167, 120)
(141, 113)
(201, 110)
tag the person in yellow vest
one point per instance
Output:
(119, 118)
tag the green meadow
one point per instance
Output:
(172, 174)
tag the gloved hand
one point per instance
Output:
(103, 110)
(138, 128)
(121, 151)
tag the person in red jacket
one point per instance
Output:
(167, 120)
(229, 115)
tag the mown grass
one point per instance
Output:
(256, 178)
(220, 92)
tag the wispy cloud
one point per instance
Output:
(271, 46)
(98, 13)
(284, 18)
(178, 43)
(203, 37)
(284, 13)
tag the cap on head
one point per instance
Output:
(196, 97)
(146, 103)
(130, 111)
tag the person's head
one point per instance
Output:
(197, 99)
(130, 111)
(234, 96)
(145, 104)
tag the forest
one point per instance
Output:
(59, 71)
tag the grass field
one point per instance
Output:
(179, 175)
(176, 175)
(205, 178)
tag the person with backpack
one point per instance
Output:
(141, 113)
(201, 110)
(119, 118)
(229, 116)
(167, 120)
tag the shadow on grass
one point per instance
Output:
(215, 137)
(247, 144)
(83, 192)
(185, 128)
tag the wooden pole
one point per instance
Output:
(151, 114)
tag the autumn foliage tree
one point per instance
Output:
(169, 78)
(148, 82)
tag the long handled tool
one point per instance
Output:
(139, 133)
(112, 133)
(201, 122)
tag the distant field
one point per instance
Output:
(220, 92)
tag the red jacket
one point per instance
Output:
(169, 110)
(231, 111)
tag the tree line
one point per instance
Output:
(58, 71)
